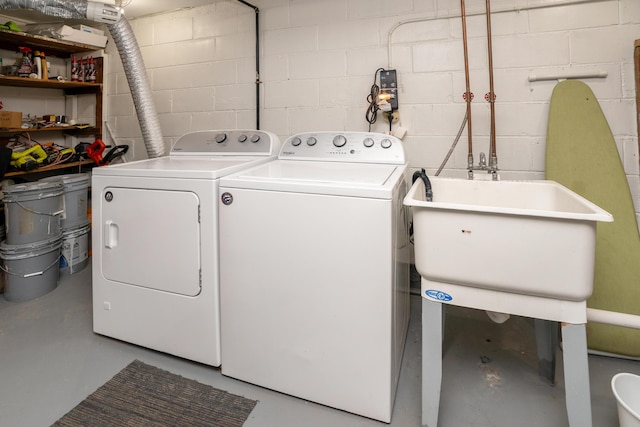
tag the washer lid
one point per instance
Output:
(181, 167)
(343, 179)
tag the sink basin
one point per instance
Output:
(532, 238)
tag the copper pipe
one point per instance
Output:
(467, 94)
(492, 95)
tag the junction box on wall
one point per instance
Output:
(389, 89)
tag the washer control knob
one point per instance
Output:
(368, 142)
(221, 137)
(255, 138)
(296, 141)
(242, 138)
(386, 143)
(311, 141)
(339, 141)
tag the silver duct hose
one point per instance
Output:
(62, 9)
(139, 84)
(129, 54)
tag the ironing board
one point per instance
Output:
(581, 154)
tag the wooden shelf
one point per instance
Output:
(50, 84)
(11, 40)
(74, 130)
(78, 164)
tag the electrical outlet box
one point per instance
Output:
(389, 88)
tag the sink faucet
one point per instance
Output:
(483, 161)
(492, 168)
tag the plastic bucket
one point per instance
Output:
(75, 199)
(2, 278)
(75, 250)
(626, 388)
(30, 270)
(32, 211)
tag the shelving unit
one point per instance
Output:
(45, 169)
(11, 40)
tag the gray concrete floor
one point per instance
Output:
(50, 360)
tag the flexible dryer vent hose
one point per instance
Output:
(139, 84)
(129, 53)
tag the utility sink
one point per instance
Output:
(534, 238)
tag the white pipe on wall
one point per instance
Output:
(613, 318)
(503, 10)
(564, 75)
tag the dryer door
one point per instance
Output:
(151, 238)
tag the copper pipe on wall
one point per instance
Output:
(492, 96)
(467, 95)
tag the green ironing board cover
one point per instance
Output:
(581, 154)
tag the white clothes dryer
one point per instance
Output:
(314, 271)
(155, 242)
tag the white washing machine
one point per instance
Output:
(155, 242)
(314, 271)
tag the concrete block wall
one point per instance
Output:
(201, 67)
(318, 60)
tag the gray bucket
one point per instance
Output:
(2, 278)
(75, 199)
(75, 250)
(30, 270)
(32, 211)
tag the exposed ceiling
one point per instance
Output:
(134, 8)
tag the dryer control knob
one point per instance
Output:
(296, 141)
(386, 143)
(311, 141)
(255, 138)
(339, 141)
(242, 138)
(221, 137)
(368, 142)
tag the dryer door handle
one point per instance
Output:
(110, 234)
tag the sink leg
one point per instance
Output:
(547, 344)
(432, 332)
(576, 375)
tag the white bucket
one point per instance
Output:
(626, 388)
(75, 250)
(30, 270)
(75, 199)
(32, 211)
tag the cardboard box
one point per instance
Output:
(65, 32)
(88, 29)
(10, 119)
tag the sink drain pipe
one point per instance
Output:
(129, 53)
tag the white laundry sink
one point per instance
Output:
(532, 238)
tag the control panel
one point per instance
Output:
(226, 142)
(356, 147)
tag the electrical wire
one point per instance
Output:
(372, 111)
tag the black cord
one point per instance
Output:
(372, 111)
(422, 174)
